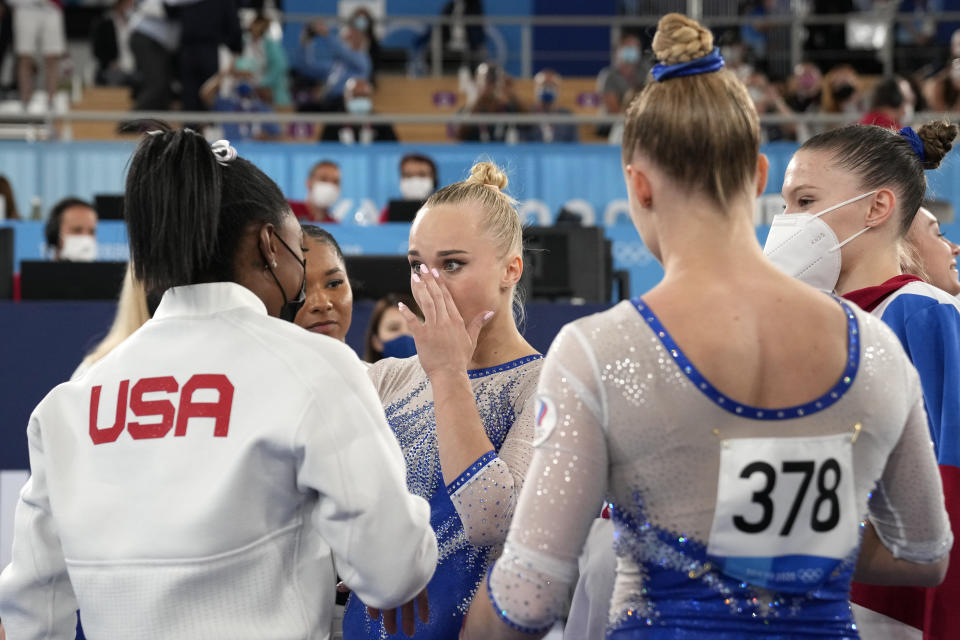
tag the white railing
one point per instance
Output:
(56, 125)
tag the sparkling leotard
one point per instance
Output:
(623, 414)
(471, 515)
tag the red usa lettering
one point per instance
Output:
(171, 417)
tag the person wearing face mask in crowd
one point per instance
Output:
(418, 180)
(71, 231)
(841, 91)
(260, 461)
(330, 61)
(462, 409)
(358, 100)
(323, 190)
(932, 256)
(387, 334)
(546, 91)
(232, 91)
(625, 74)
(891, 105)
(418, 177)
(328, 306)
(852, 195)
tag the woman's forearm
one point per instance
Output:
(877, 565)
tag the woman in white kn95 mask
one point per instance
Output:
(851, 197)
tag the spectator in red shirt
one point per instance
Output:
(892, 104)
(323, 189)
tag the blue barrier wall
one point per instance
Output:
(551, 174)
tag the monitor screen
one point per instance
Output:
(373, 277)
(45, 280)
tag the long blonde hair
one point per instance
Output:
(132, 313)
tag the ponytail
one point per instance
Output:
(186, 212)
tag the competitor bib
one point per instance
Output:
(786, 514)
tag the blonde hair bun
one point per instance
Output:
(681, 39)
(487, 174)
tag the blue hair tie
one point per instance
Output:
(915, 142)
(709, 63)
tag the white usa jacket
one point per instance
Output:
(202, 480)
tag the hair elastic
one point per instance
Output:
(916, 143)
(223, 151)
(709, 63)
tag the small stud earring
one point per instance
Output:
(274, 264)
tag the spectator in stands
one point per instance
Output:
(840, 92)
(110, 39)
(546, 96)
(323, 190)
(267, 59)
(154, 40)
(942, 91)
(331, 60)
(804, 88)
(38, 28)
(625, 73)
(362, 21)
(768, 101)
(387, 334)
(10, 211)
(358, 100)
(205, 25)
(933, 256)
(418, 180)
(494, 94)
(71, 231)
(232, 91)
(890, 104)
(418, 176)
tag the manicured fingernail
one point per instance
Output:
(423, 268)
(488, 315)
(401, 306)
(416, 278)
(436, 274)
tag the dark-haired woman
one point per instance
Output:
(852, 195)
(387, 334)
(328, 303)
(201, 479)
(736, 420)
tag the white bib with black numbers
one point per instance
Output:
(786, 514)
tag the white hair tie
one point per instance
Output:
(223, 151)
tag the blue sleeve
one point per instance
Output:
(358, 63)
(930, 334)
(313, 59)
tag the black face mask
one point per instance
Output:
(843, 92)
(290, 307)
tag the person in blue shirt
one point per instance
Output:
(331, 60)
(232, 92)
